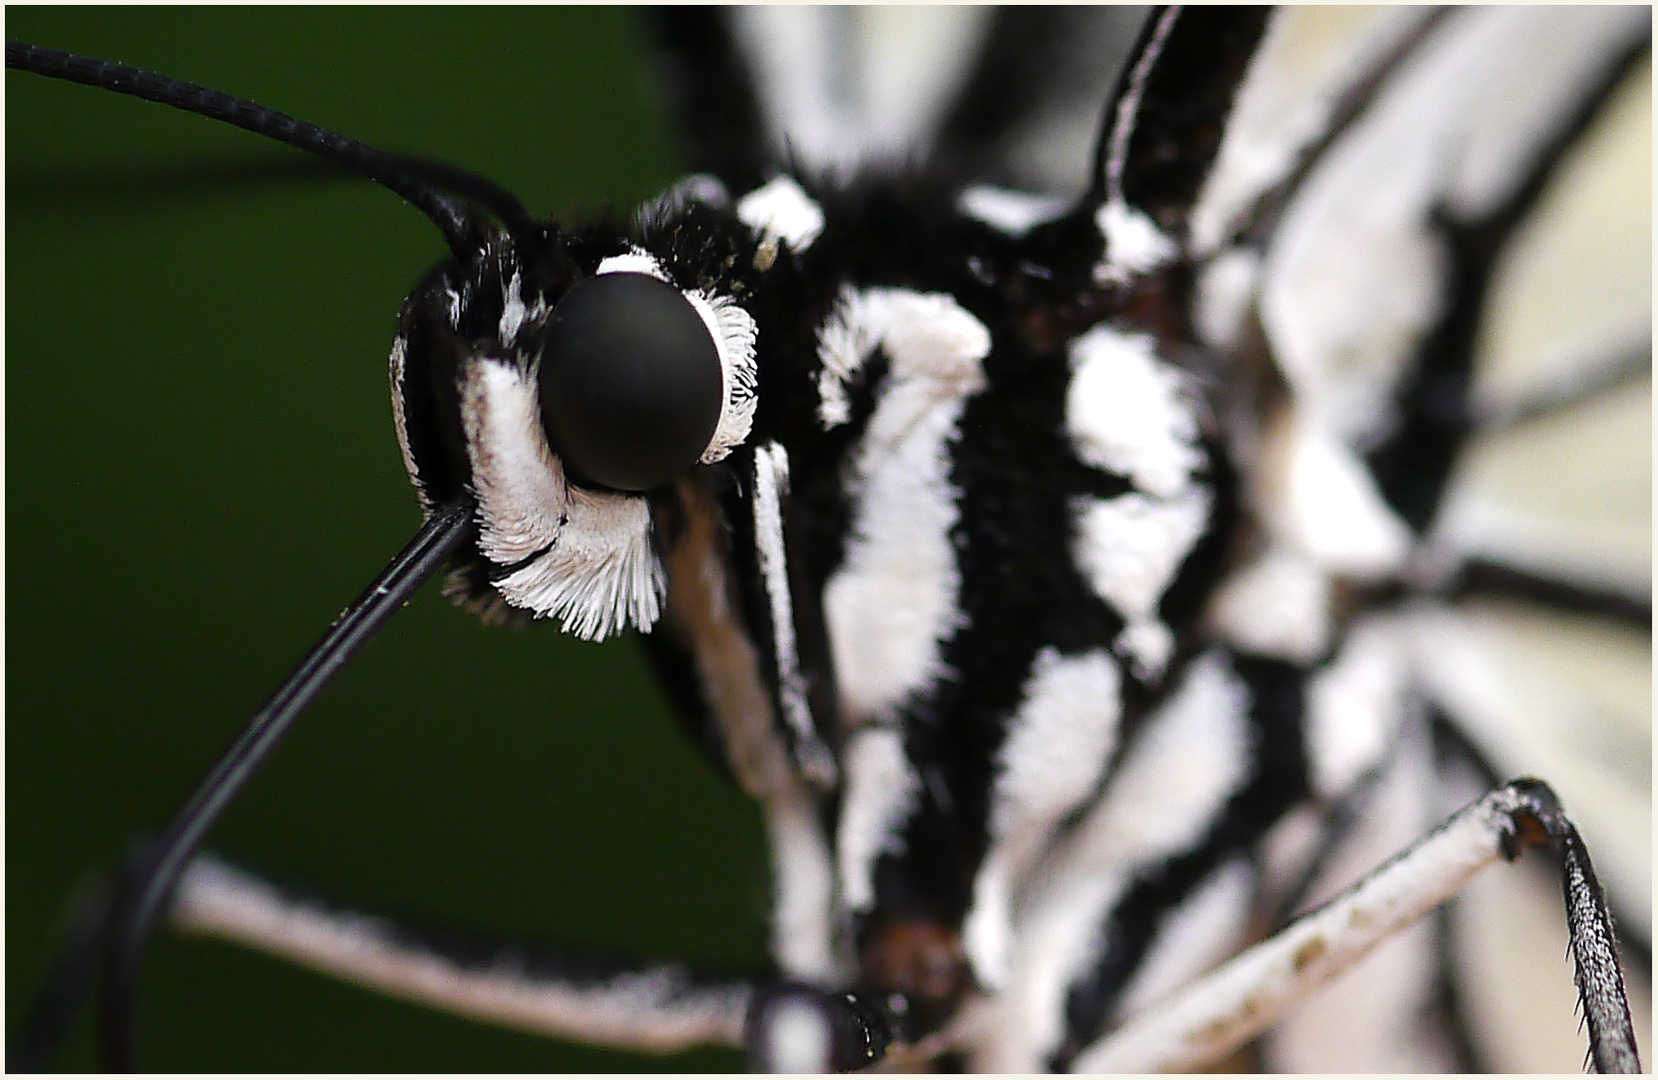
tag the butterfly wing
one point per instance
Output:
(1009, 96)
(1453, 281)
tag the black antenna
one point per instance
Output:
(420, 182)
(148, 888)
(120, 925)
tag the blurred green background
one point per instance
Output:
(201, 472)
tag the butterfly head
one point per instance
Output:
(562, 380)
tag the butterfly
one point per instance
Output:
(742, 897)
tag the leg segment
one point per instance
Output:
(1212, 1017)
(657, 1009)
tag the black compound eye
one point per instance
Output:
(631, 387)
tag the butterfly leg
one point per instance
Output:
(1212, 1017)
(659, 1008)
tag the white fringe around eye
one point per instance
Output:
(734, 334)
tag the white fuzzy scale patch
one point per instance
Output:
(1056, 747)
(894, 600)
(882, 789)
(1130, 548)
(781, 212)
(1126, 411)
(598, 574)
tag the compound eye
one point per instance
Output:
(631, 387)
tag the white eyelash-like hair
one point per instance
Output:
(734, 334)
(600, 576)
(596, 572)
(636, 261)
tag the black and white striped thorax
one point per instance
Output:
(1034, 565)
(967, 537)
